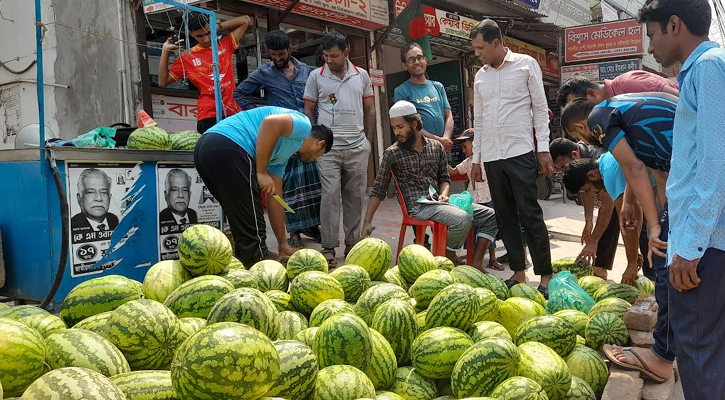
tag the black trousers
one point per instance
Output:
(203, 125)
(513, 189)
(230, 175)
(607, 246)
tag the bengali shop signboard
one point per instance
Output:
(152, 6)
(600, 71)
(364, 14)
(607, 40)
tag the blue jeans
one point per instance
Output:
(664, 346)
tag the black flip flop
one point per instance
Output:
(544, 291)
(511, 283)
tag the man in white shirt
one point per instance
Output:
(509, 104)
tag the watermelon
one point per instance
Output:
(223, 361)
(204, 250)
(234, 263)
(97, 295)
(45, 324)
(570, 264)
(343, 339)
(149, 138)
(444, 263)
(519, 388)
(304, 260)
(456, 306)
(28, 310)
(196, 297)
(514, 311)
(527, 292)
(488, 310)
(591, 284)
(396, 321)
(552, 331)
(580, 390)
(342, 382)
(542, 365)
(146, 385)
(96, 323)
(612, 305)
(625, 292)
(311, 288)
(375, 296)
(606, 328)
(373, 254)
(645, 286)
(307, 336)
(191, 325)
(393, 276)
(291, 323)
(577, 319)
(435, 351)
(162, 278)
(411, 385)
(385, 395)
(281, 300)
(488, 329)
(247, 306)
(85, 349)
(240, 278)
(73, 383)
(415, 260)
(483, 366)
(270, 275)
(298, 370)
(146, 332)
(382, 364)
(444, 387)
(327, 309)
(428, 285)
(354, 280)
(185, 140)
(475, 278)
(588, 365)
(7, 312)
(22, 351)
(580, 341)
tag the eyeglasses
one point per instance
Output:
(419, 59)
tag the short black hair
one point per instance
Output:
(577, 110)
(322, 132)
(577, 86)
(696, 14)
(277, 40)
(489, 29)
(414, 118)
(332, 39)
(562, 147)
(405, 49)
(197, 20)
(575, 174)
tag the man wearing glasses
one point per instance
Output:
(177, 192)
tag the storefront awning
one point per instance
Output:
(489, 8)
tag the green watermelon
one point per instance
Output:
(22, 351)
(343, 339)
(247, 306)
(327, 309)
(488, 329)
(73, 383)
(428, 285)
(456, 306)
(570, 264)
(96, 323)
(218, 361)
(234, 263)
(191, 325)
(612, 305)
(393, 276)
(591, 284)
(311, 288)
(382, 364)
(444, 263)
(97, 295)
(606, 328)
(483, 366)
(588, 365)
(146, 332)
(519, 388)
(542, 365)
(550, 330)
(373, 254)
(291, 323)
(375, 296)
(625, 292)
(411, 385)
(488, 310)
(304, 260)
(645, 286)
(162, 278)
(149, 138)
(342, 382)
(240, 278)
(146, 385)
(444, 387)
(45, 324)
(28, 310)
(580, 390)
(7, 312)
(195, 298)
(435, 351)
(185, 140)
(298, 370)
(354, 280)
(270, 275)
(415, 260)
(307, 336)
(281, 300)
(475, 278)
(577, 319)
(204, 250)
(420, 322)
(527, 292)
(85, 349)
(396, 321)
(385, 395)
(514, 311)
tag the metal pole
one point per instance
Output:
(41, 95)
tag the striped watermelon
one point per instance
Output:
(291, 323)
(204, 250)
(97, 295)
(552, 331)
(606, 328)
(7, 312)
(588, 365)
(234, 263)
(185, 140)
(162, 278)
(375, 296)
(22, 351)
(281, 300)
(146, 332)
(146, 385)
(484, 366)
(456, 306)
(96, 323)
(570, 264)
(428, 285)
(240, 278)
(580, 390)
(304, 260)
(519, 388)
(542, 365)
(247, 306)
(577, 319)
(354, 280)
(342, 382)
(196, 297)
(307, 336)
(488, 310)
(488, 329)
(393, 276)
(73, 383)
(343, 339)
(373, 254)
(149, 138)
(514, 311)
(444, 263)
(580, 341)
(411, 385)
(85, 349)
(591, 284)
(612, 305)
(625, 292)
(382, 364)
(420, 322)
(311, 288)
(45, 324)
(327, 309)
(527, 292)
(28, 310)
(435, 351)
(385, 395)
(270, 275)
(396, 321)
(415, 260)
(190, 325)
(645, 286)
(475, 278)
(223, 361)
(298, 370)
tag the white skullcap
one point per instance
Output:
(402, 108)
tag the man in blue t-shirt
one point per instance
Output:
(428, 96)
(245, 155)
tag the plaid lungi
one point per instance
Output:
(302, 192)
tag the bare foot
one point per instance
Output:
(519, 276)
(545, 279)
(657, 365)
(600, 272)
(451, 255)
(478, 266)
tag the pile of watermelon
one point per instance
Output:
(206, 327)
(156, 138)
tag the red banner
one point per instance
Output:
(607, 40)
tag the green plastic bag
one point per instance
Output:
(565, 293)
(464, 201)
(100, 137)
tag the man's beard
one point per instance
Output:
(286, 62)
(409, 140)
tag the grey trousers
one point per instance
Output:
(343, 174)
(458, 221)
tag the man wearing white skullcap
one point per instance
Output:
(418, 163)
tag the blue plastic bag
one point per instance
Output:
(565, 293)
(464, 201)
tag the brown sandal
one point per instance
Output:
(330, 257)
(496, 266)
(640, 367)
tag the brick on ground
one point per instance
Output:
(616, 370)
(623, 387)
(641, 339)
(662, 391)
(642, 316)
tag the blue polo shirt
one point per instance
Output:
(613, 176)
(431, 102)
